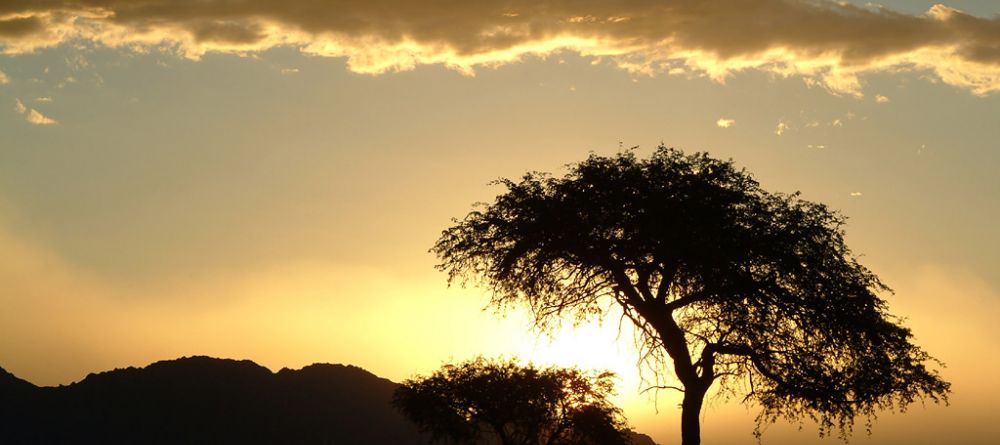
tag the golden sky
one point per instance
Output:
(262, 179)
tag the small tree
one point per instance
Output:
(501, 401)
(724, 281)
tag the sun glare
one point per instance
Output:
(593, 345)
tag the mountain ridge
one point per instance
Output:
(201, 399)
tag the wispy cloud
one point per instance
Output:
(43, 99)
(33, 116)
(724, 123)
(3, 78)
(881, 99)
(287, 71)
(40, 119)
(856, 194)
(827, 43)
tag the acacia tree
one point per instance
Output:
(502, 401)
(724, 281)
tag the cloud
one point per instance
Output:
(3, 78)
(828, 44)
(43, 99)
(880, 99)
(40, 119)
(33, 115)
(289, 71)
(724, 123)
(856, 194)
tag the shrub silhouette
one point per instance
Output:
(483, 401)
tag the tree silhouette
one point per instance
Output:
(501, 401)
(724, 281)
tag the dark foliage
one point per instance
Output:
(208, 401)
(484, 401)
(725, 281)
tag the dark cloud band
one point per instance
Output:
(827, 43)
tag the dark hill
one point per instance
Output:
(197, 400)
(12, 389)
(207, 400)
(10, 384)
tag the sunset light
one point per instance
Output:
(769, 217)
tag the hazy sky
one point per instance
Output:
(262, 179)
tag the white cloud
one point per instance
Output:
(880, 99)
(43, 99)
(724, 123)
(289, 71)
(837, 123)
(856, 194)
(40, 119)
(826, 43)
(19, 106)
(816, 146)
(3, 78)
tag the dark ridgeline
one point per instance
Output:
(208, 400)
(14, 394)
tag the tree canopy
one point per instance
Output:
(724, 281)
(484, 401)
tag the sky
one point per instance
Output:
(263, 180)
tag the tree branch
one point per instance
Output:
(643, 283)
(754, 357)
(661, 387)
(667, 274)
(686, 300)
(663, 322)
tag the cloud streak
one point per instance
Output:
(37, 118)
(828, 44)
(32, 115)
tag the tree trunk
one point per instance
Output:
(690, 416)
